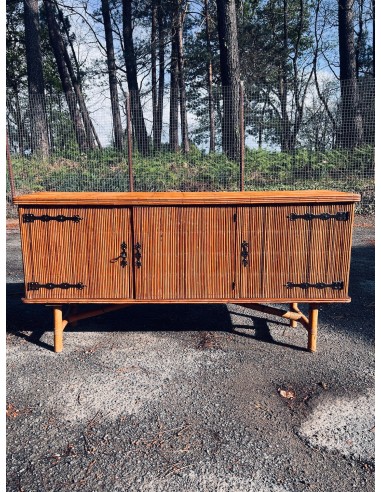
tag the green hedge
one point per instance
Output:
(107, 170)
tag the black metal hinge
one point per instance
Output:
(47, 218)
(340, 216)
(320, 285)
(234, 217)
(233, 285)
(50, 286)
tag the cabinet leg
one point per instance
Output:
(312, 327)
(294, 309)
(58, 329)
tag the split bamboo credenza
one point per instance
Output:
(244, 248)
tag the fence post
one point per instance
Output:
(129, 140)
(10, 171)
(242, 139)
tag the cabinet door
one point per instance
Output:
(74, 253)
(249, 252)
(159, 272)
(285, 256)
(286, 246)
(329, 252)
(186, 252)
(209, 245)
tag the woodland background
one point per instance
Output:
(186, 92)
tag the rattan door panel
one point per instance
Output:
(209, 238)
(313, 251)
(330, 246)
(250, 230)
(186, 252)
(158, 232)
(109, 228)
(281, 250)
(72, 253)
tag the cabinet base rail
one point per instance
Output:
(294, 315)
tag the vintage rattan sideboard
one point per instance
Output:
(245, 248)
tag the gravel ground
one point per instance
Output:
(187, 398)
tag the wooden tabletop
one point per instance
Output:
(185, 198)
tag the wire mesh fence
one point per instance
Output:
(311, 136)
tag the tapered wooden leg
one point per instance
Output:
(58, 329)
(312, 327)
(294, 308)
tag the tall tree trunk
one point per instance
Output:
(49, 118)
(14, 116)
(39, 133)
(21, 130)
(351, 118)
(154, 29)
(113, 81)
(182, 95)
(360, 36)
(301, 84)
(283, 84)
(174, 89)
(140, 130)
(320, 94)
(285, 122)
(59, 49)
(77, 84)
(76, 81)
(62, 23)
(160, 95)
(212, 138)
(88, 125)
(374, 37)
(230, 76)
(261, 123)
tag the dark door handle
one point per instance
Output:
(122, 256)
(138, 255)
(245, 253)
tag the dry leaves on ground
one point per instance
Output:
(289, 394)
(13, 412)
